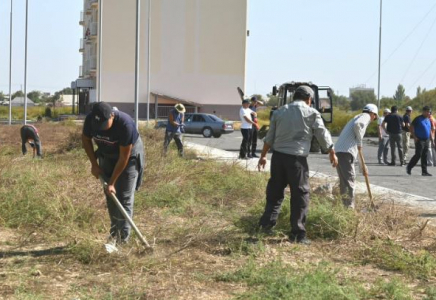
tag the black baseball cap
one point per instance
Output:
(101, 112)
(245, 101)
(426, 108)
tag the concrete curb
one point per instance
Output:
(380, 193)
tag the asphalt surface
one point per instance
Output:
(390, 177)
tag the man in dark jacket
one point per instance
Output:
(30, 134)
(394, 124)
(420, 130)
(119, 159)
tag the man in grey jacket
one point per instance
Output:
(290, 134)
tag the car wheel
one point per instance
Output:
(217, 135)
(207, 132)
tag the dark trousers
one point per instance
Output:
(421, 150)
(177, 138)
(253, 140)
(245, 145)
(293, 171)
(396, 142)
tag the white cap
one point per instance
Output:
(387, 110)
(409, 108)
(371, 108)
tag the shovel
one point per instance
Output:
(114, 198)
(362, 161)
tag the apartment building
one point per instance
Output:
(197, 55)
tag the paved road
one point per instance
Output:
(385, 176)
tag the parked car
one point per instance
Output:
(206, 124)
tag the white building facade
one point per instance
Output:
(198, 54)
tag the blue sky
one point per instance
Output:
(332, 42)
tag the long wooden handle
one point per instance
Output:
(362, 161)
(125, 215)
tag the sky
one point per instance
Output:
(328, 42)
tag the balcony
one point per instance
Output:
(82, 18)
(88, 9)
(94, 3)
(82, 46)
(81, 72)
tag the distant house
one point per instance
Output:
(66, 100)
(19, 101)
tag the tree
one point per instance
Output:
(258, 97)
(2, 96)
(400, 93)
(35, 96)
(418, 91)
(17, 94)
(272, 100)
(360, 98)
(341, 102)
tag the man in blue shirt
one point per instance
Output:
(119, 159)
(420, 129)
(174, 128)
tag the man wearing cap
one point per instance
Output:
(247, 124)
(393, 123)
(349, 143)
(420, 130)
(119, 159)
(383, 139)
(290, 134)
(253, 106)
(174, 129)
(30, 134)
(406, 133)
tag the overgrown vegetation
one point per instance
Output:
(201, 216)
(34, 113)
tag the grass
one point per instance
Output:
(32, 112)
(202, 218)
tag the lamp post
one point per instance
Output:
(379, 54)
(25, 64)
(10, 69)
(138, 21)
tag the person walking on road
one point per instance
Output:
(383, 140)
(247, 124)
(420, 130)
(431, 157)
(253, 106)
(174, 129)
(291, 129)
(119, 159)
(393, 124)
(406, 133)
(29, 134)
(347, 146)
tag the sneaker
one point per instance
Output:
(408, 171)
(304, 241)
(402, 164)
(391, 164)
(426, 174)
(254, 155)
(249, 156)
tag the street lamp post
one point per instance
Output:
(25, 64)
(379, 54)
(10, 69)
(138, 20)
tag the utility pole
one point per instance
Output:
(138, 21)
(379, 54)
(25, 64)
(148, 61)
(100, 47)
(10, 68)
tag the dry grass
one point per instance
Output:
(201, 217)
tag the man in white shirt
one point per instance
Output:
(246, 126)
(347, 147)
(383, 139)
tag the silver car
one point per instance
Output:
(206, 124)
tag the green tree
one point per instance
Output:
(360, 98)
(418, 91)
(400, 93)
(2, 96)
(35, 96)
(341, 102)
(258, 97)
(17, 94)
(272, 100)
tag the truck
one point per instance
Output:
(322, 102)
